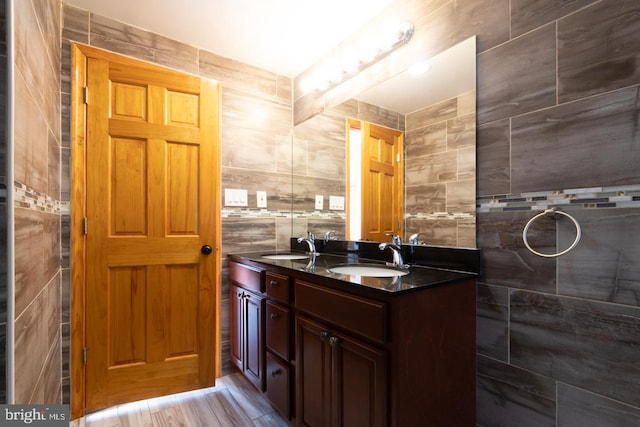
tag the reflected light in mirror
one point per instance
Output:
(355, 175)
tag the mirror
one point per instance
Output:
(436, 113)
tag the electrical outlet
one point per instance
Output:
(319, 202)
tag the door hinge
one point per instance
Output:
(84, 355)
(85, 95)
(85, 225)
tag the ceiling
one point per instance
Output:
(282, 36)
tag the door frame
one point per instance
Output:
(78, 146)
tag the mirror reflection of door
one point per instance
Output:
(376, 179)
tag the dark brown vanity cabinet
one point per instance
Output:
(338, 354)
(341, 379)
(247, 336)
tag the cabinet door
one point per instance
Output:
(254, 345)
(313, 374)
(359, 388)
(236, 333)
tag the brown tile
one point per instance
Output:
(506, 392)
(433, 114)
(506, 261)
(461, 196)
(426, 140)
(121, 38)
(518, 76)
(590, 272)
(492, 310)
(580, 408)
(425, 198)
(592, 142)
(578, 342)
(597, 49)
(461, 132)
(240, 76)
(527, 15)
(431, 169)
(493, 158)
(75, 24)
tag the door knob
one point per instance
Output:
(206, 249)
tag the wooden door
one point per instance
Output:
(152, 191)
(382, 182)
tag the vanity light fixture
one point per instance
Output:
(354, 59)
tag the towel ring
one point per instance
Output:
(554, 211)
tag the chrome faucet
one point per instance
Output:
(414, 239)
(327, 235)
(396, 239)
(397, 253)
(311, 242)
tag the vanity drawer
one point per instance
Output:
(247, 277)
(278, 385)
(358, 315)
(277, 287)
(278, 331)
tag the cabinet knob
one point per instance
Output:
(334, 341)
(273, 283)
(274, 316)
(324, 335)
(276, 372)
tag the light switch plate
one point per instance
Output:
(336, 203)
(319, 202)
(234, 197)
(261, 199)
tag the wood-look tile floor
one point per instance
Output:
(232, 402)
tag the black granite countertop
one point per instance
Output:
(419, 277)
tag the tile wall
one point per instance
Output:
(558, 84)
(559, 338)
(440, 172)
(37, 202)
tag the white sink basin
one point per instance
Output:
(368, 270)
(285, 256)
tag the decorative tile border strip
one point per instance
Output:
(436, 216)
(25, 197)
(228, 212)
(624, 196)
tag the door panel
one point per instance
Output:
(313, 365)
(382, 182)
(360, 384)
(151, 203)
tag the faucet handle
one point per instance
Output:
(414, 239)
(395, 238)
(311, 236)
